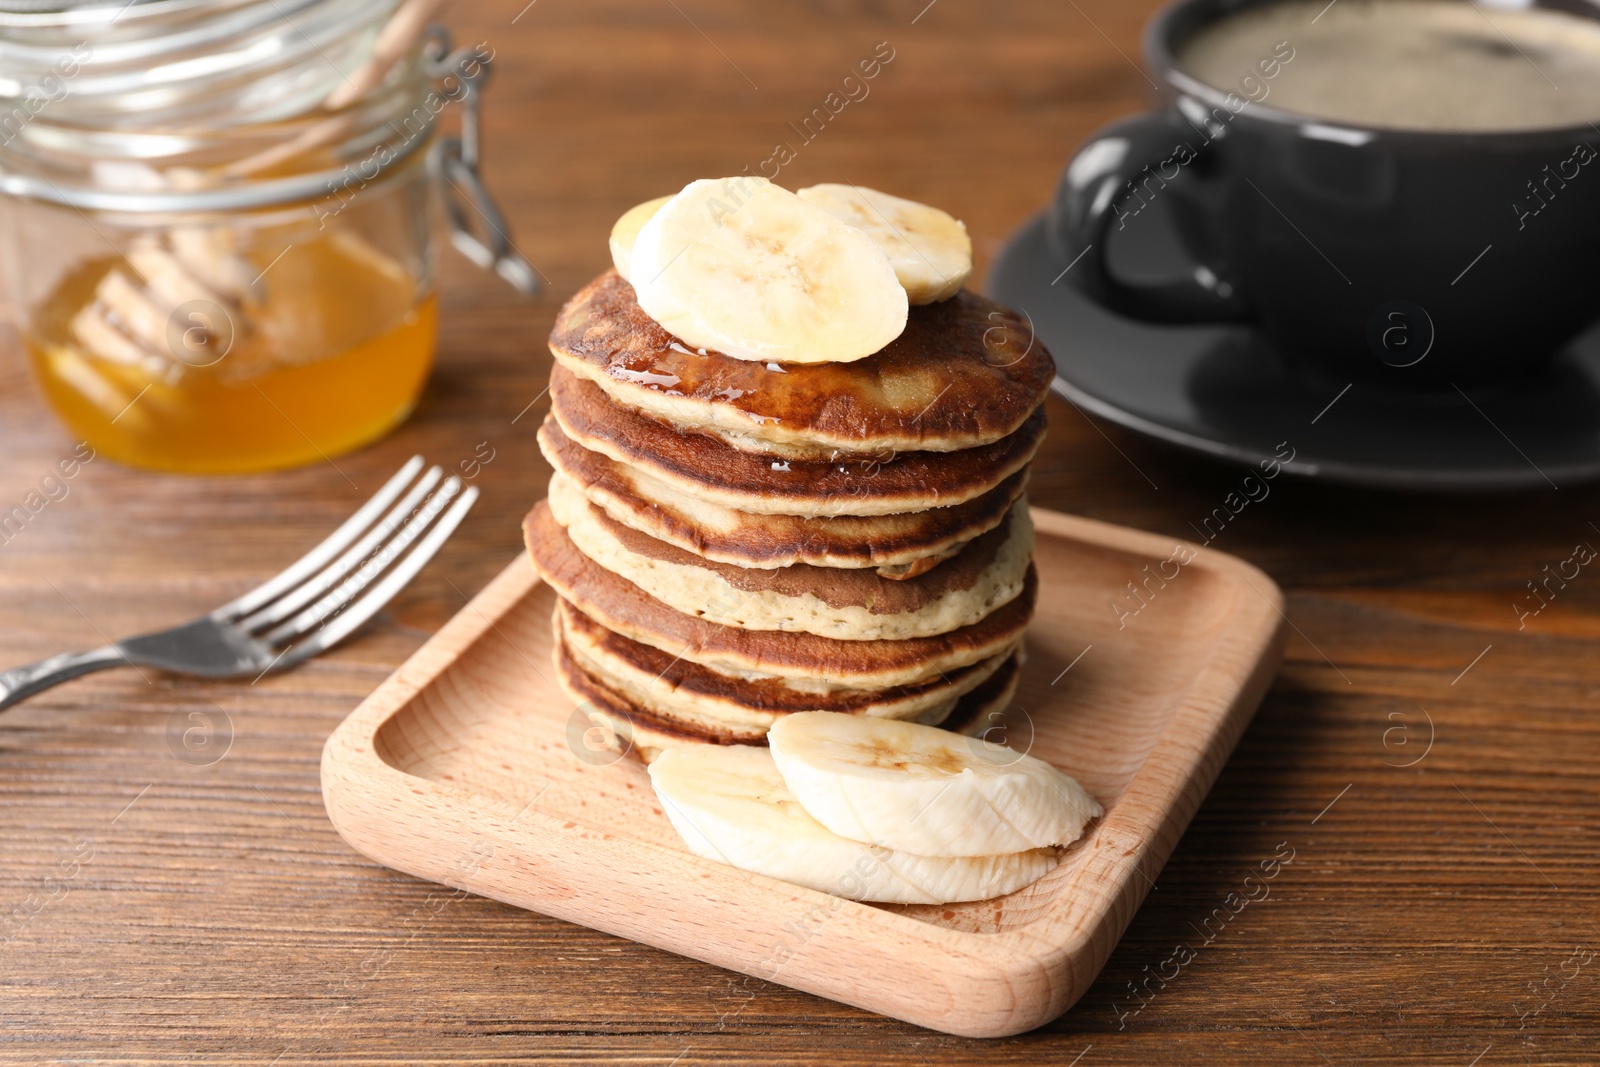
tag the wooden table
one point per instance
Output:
(1440, 906)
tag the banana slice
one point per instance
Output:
(925, 791)
(930, 250)
(626, 232)
(730, 804)
(748, 269)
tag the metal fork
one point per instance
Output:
(308, 608)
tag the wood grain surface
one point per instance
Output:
(469, 767)
(1433, 769)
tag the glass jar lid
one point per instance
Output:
(102, 104)
(181, 64)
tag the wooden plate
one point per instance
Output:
(470, 767)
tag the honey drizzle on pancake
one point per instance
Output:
(965, 372)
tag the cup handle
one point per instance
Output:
(1091, 201)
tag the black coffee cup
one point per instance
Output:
(1400, 257)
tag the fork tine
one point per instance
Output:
(384, 591)
(329, 576)
(309, 563)
(341, 596)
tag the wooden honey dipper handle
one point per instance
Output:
(395, 41)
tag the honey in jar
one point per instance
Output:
(220, 232)
(330, 353)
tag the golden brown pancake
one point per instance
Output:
(623, 608)
(898, 546)
(641, 733)
(696, 697)
(852, 605)
(965, 372)
(706, 468)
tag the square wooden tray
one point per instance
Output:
(468, 767)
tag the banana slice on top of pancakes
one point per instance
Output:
(749, 269)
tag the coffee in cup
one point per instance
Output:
(1412, 64)
(1398, 192)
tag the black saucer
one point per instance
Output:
(1220, 390)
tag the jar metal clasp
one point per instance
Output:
(486, 242)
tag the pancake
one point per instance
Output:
(898, 546)
(851, 605)
(697, 697)
(620, 606)
(638, 732)
(965, 372)
(707, 469)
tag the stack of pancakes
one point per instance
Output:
(734, 541)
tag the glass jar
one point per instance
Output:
(220, 220)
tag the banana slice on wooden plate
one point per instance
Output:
(748, 269)
(928, 248)
(922, 790)
(730, 804)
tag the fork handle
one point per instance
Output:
(19, 683)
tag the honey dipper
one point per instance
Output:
(128, 320)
